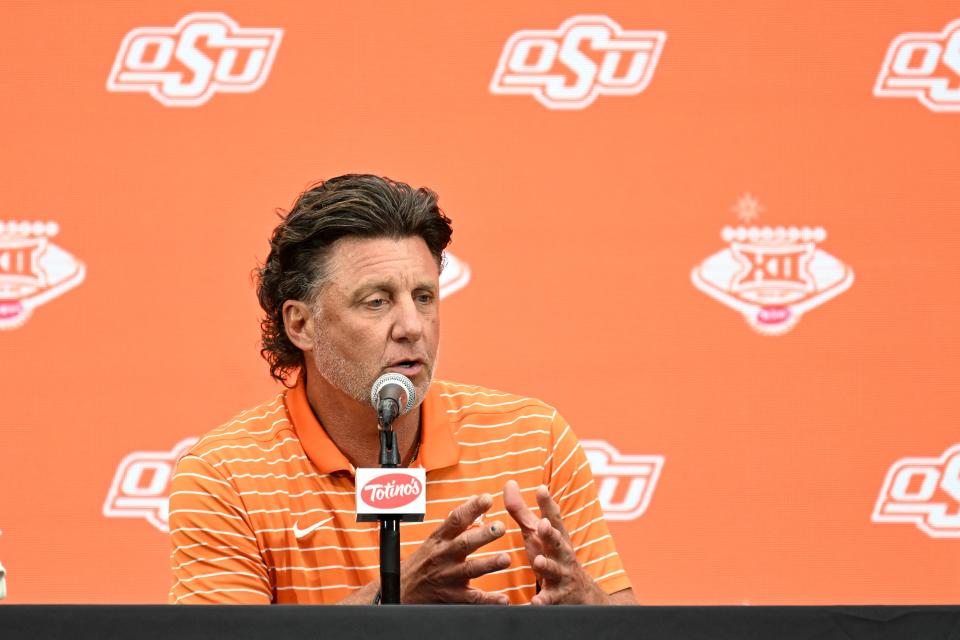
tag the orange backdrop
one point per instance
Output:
(773, 407)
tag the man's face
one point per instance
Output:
(377, 312)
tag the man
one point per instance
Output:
(261, 509)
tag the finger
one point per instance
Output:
(544, 598)
(463, 516)
(475, 596)
(547, 569)
(553, 542)
(523, 516)
(482, 566)
(471, 540)
(550, 509)
(518, 509)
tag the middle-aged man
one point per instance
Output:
(261, 508)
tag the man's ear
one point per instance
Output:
(298, 325)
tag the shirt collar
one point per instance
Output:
(438, 446)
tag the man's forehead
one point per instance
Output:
(353, 260)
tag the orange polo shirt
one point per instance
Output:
(262, 509)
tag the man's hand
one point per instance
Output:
(562, 579)
(438, 572)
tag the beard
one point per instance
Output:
(348, 376)
(423, 387)
(354, 378)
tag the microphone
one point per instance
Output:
(391, 494)
(392, 395)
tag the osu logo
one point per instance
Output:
(771, 275)
(455, 275)
(33, 270)
(625, 483)
(925, 66)
(586, 57)
(184, 65)
(924, 491)
(141, 484)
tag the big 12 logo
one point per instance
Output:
(183, 66)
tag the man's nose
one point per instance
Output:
(408, 323)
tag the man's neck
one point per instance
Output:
(352, 425)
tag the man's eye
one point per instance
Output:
(376, 303)
(425, 298)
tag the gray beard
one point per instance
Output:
(348, 377)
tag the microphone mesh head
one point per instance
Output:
(394, 378)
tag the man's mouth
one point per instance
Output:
(406, 366)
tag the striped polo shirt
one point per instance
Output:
(262, 509)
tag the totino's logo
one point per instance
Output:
(141, 484)
(924, 491)
(625, 483)
(391, 491)
(925, 66)
(586, 57)
(771, 275)
(183, 66)
(33, 270)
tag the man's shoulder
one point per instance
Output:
(250, 429)
(470, 399)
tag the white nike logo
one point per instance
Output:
(299, 533)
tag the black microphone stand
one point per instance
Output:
(389, 524)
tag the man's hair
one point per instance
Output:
(353, 205)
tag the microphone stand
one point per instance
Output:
(389, 524)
